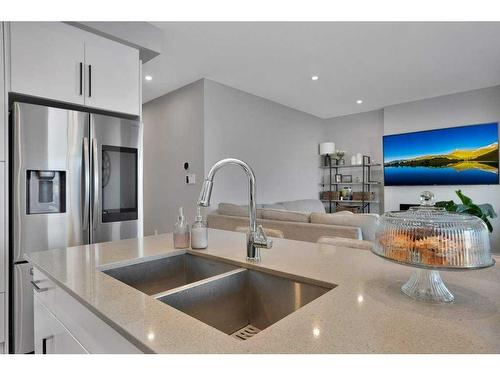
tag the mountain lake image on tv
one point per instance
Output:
(465, 155)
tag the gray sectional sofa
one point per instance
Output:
(302, 220)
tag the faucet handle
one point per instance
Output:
(261, 239)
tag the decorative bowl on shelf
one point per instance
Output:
(432, 239)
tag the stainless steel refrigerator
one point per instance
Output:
(74, 180)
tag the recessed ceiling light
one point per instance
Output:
(148, 78)
(314, 78)
(359, 101)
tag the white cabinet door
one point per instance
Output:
(51, 337)
(45, 60)
(112, 76)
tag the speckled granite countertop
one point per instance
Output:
(365, 313)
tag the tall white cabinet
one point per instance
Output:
(3, 240)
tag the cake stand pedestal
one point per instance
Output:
(427, 285)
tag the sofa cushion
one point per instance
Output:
(291, 230)
(274, 206)
(346, 242)
(267, 231)
(285, 215)
(304, 205)
(231, 209)
(367, 222)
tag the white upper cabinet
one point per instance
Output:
(45, 60)
(57, 61)
(112, 75)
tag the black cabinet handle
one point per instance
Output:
(44, 344)
(81, 78)
(90, 81)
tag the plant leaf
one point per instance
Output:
(465, 199)
(447, 205)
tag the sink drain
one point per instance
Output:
(246, 332)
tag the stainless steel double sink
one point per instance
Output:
(237, 301)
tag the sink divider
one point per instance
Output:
(198, 283)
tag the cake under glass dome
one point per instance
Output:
(431, 238)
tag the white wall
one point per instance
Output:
(279, 143)
(362, 133)
(472, 107)
(173, 134)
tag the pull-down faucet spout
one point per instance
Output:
(256, 238)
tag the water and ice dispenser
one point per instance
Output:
(46, 191)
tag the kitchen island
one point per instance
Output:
(361, 311)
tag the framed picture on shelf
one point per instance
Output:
(346, 178)
(338, 178)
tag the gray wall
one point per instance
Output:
(280, 143)
(206, 121)
(173, 134)
(472, 107)
(362, 133)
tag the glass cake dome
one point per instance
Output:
(432, 238)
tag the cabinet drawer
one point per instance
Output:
(51, 337)
(2, 317)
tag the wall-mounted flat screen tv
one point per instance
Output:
(465, 155)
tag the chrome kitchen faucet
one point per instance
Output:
(256, 238)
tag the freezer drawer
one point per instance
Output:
(23, 309)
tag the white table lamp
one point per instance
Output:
(327, 148)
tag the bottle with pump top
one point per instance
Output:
(199, 232)
(181, 232)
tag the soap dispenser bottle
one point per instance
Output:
(199, 232)
(181, 232)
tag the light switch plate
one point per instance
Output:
(191, 179)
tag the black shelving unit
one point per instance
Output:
(366, 184)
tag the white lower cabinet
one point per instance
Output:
(64, 325)
(51, 336)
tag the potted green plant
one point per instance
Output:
(482, 211)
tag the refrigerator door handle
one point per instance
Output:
(37, 288)
(96, 183)
(86, 183)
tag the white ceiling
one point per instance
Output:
(380, 63)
